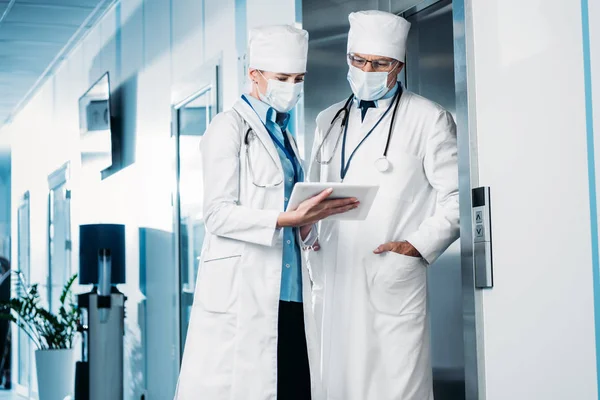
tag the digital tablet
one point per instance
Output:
(364, 193)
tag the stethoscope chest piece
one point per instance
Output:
(383, 164)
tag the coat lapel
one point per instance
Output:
(248, 114)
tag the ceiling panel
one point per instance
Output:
(68, 3)
(10, 98)
(45, 14)
(15, 79)
(22, 67)
(32, 34)
(30, 49)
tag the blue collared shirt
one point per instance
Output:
(291, 276)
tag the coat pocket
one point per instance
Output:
(217, 283)
(397, 284)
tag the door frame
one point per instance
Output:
(197, 83)
(468, 178)
(21, 389)
(464, 78)
(56, 179)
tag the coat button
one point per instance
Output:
(289, 242)
(287, 265)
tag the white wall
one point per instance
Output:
(538, 322)
(594, 32)
(149, 47)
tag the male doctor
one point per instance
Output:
(369, 277)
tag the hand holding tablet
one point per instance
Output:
(314, 209)
(364, 194)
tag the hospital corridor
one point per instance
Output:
(299, 200)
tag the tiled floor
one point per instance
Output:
(443, 391)
(6, 395)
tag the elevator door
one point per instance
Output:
(429, 72)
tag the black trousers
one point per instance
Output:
(293, 373)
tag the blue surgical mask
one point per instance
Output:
(367, 85)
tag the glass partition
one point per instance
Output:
(192, 118)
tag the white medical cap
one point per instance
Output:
(278, 48)
(378, 33)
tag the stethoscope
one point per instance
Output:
(250, 136)
(382, 164)
(248, 139)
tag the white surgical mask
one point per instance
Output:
(368, 85)
(282, 96)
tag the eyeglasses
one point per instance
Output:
(378, 65)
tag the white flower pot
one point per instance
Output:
(55, 373)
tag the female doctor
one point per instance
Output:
(252, 333)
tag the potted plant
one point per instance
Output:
(52, 334)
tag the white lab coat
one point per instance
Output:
(231, 347)
(371, 309)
